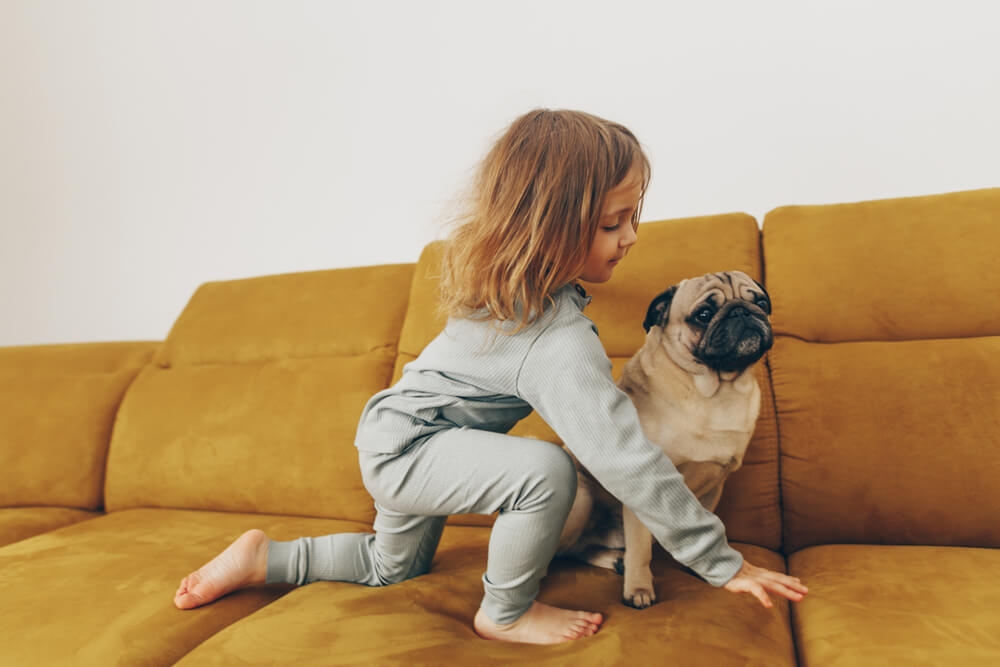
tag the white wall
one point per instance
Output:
(147, 147)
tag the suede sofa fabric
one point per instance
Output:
(893, 358)
(890, 269)
(897, 605)
(100, 592)
(57, 408)
(428, 620)
(886, 378)
(253, 400)
(889, 442)
(19, 523)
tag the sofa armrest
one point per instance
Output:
(57, 408)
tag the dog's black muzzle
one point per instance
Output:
(737, 337)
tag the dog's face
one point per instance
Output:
(718, 320)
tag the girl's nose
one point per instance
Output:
(629, 238)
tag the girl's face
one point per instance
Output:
(614, 234)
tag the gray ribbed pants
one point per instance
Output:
(531, 482)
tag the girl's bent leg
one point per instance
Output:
(531, 482)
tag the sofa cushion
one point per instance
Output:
(885, 368)
(18, 523)
(891, 269)
(57, 406)
(900, 606)
(667, 252)
(428, 620)
(254, 401)
(889, 442)
(331, 313)
(101, 592)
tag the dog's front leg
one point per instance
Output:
(638, 591)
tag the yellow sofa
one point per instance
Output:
(872, 474)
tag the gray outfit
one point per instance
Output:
(433, 445)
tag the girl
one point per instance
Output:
(557, 200)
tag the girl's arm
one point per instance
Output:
(566, 377)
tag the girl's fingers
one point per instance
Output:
(759, 593)
(758, 581)
(793, 583)
(784, 591)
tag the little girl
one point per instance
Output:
(557, 200)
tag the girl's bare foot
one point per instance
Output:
(244, 562)
(541, 624)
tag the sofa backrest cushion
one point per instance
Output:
(253, 401)
(57, 407)
(667, 252)
(890, 269)
(886, 371)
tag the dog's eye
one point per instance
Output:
(763, 304)
(704, 315)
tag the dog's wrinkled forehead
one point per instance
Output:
(717, 288)
(727, 286)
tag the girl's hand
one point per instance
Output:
(758, 581)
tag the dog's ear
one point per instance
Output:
(762, 289)
(766, 296)
(659, 309)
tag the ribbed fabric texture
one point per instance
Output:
(469, 377)
(531, 483)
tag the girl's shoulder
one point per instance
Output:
(566, 322)
(566, 308)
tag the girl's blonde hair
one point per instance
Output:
(535, 209)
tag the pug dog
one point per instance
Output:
(693, 385)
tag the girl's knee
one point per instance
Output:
(561, 475)
(387, 572)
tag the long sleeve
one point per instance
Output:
(566, 377)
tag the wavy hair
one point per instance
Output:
(533, 213)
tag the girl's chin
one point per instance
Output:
(603, 278)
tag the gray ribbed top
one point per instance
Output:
(469, 376)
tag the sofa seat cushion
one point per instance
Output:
(897, 605)
(18, 523)
(428, 620)
(100, 592)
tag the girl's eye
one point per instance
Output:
(611, 228)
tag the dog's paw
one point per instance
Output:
(639, 598)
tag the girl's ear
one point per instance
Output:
(659, 309)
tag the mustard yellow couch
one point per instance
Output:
(872, 475)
